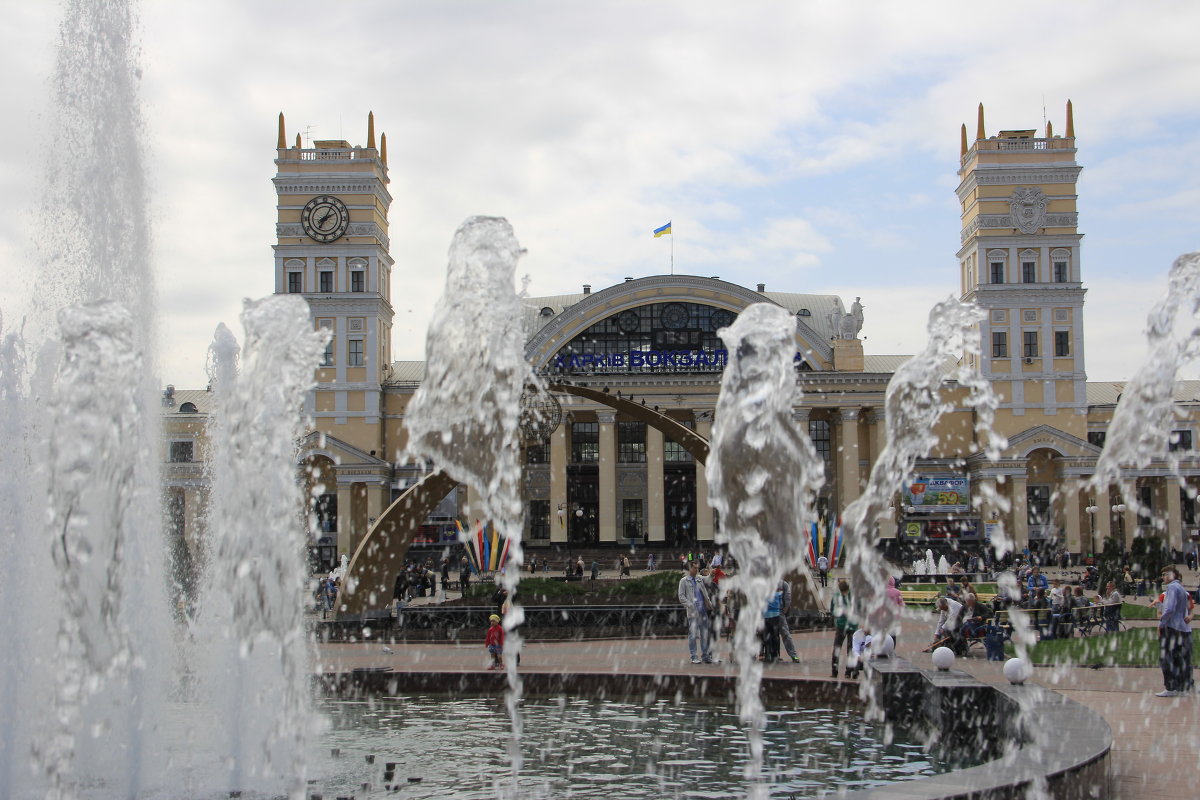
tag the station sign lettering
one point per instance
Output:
(635, 359)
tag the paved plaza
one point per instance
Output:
(1156, 741)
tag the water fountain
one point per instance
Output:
(81, 457)
(93, 702)
(763, 476)
(466, 414)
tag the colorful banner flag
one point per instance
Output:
(663, 231)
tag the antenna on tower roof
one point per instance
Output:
(1043, 109)
(308, 129)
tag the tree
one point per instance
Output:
(1109, 562)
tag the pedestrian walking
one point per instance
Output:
(843, 628)
(770, 631)
(1175, 637)
(785, 631)
(695, 599)
(823, 569)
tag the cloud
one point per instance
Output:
(800, 138)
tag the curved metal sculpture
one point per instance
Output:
(380, 555)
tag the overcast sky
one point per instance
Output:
(811, 146)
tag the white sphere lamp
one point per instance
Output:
(1017, 671)
(943, 658)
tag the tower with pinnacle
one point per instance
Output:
(332, 248)
(1020, 263)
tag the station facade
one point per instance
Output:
(602, 478)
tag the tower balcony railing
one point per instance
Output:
(1001, 144)
(330, 153)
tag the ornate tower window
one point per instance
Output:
(295, 282)
(358, 274)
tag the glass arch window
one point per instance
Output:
(655, 338)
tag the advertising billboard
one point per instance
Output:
(937, 494)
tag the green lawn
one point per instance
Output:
(1137, 647)
(1140, 610)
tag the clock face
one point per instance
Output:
(674, 316)
(325, 219)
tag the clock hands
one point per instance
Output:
(323, 219)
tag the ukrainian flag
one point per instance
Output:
(663, 231)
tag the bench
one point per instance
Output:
(927, 596)
(918, 596)
(1048, 624)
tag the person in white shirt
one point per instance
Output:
(860, 644)
(823, 569)
(949, 619)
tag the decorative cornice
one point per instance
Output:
(1005, 221)
(1016, 176)
(293, 230)
(332, 184)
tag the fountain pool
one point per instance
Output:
(584, 747)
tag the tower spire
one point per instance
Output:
(979, 134)
(371, 129)
(383, 148)
(963, 144)
(298, 145)
(1070, 121)
(282, 138)
(1049, 129)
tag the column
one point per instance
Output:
(608, 475)
(1174, 514)
(1019, 528)
(985, 502)
(345, 537)
(1071, 515)
(378, 499)
(704, 514)
(877, 422)
(1102, 519)
(558, 483)
(848, 458)
(656, 529)
(1131, 524)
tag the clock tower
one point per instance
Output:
(332, 248)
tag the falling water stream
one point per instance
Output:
(763, 475)
(465, 415)
(249, 634)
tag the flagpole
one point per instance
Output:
(672, 252)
